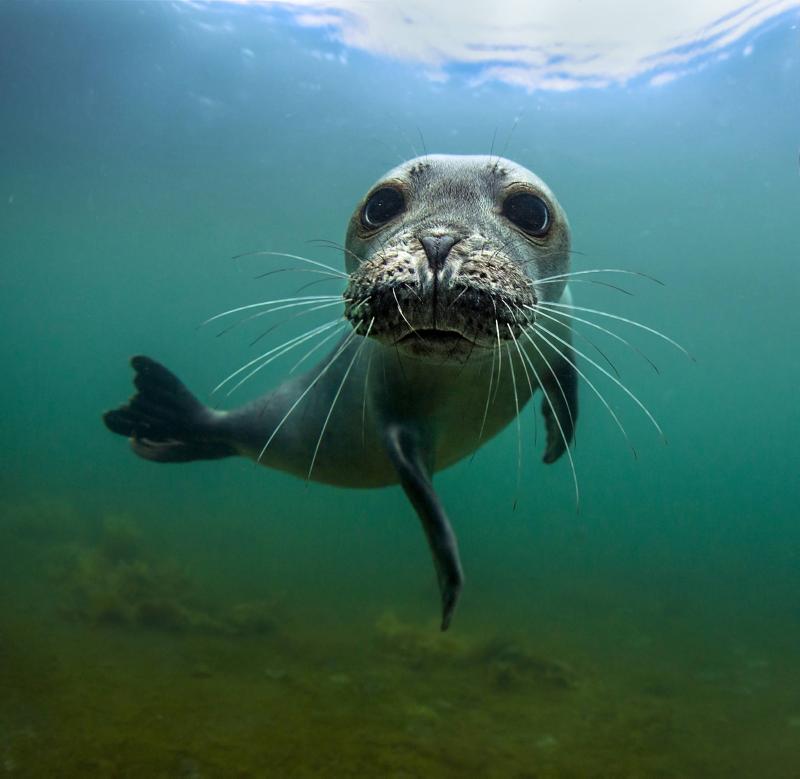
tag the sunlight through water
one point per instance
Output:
(553, 45)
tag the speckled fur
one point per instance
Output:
(479, 285)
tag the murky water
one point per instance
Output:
(222, 620)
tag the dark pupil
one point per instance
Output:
(528, 212)
(382, 206)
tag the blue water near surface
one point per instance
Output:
(219, 619)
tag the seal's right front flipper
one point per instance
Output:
(164, 421)
(406, 454)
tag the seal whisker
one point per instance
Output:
(499, 353)
(400, 362)
(587, 281)
(549, 402)
(412, 290)
(364, 402)
(572, 274)
(580, 335)
(284, 321)
(296, 340)
(500, 249)
(518, 423)
(589, 383)
(336, 397)
(544, 254)
(603, 330)
(422, 141)
(325, 340)
(528, 379)
(282, 350)
(508, 140)
(548, 253)
(326, 243)
(323, 371)
(316, 281)
(456, 298)
(557, 380)
(296, 270)
(469, 353)
(315, 347)
(399, 308)
(610, 376)
(263, 303)
(315, 305)
(264, 253)
(486, 407)
(510, 310)
(619, 319)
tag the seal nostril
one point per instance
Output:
(437, 247)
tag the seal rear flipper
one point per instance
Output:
(164, 421)
(560, 406)
(406, 455)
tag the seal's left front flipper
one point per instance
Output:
(560, 404)
(407, 455)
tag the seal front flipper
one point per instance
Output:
(560, 386)
(164, 421)
(407, 455)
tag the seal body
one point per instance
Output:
(447, 258)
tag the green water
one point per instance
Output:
(222, 620)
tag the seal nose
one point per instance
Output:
(437, 247)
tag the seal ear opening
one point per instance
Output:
(164, 421)
(561, 387)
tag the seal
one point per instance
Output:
(449, 260)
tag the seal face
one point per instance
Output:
(444, 253)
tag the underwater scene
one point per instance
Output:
(206, 184)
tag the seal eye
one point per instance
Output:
(383, 205)
(528, 212)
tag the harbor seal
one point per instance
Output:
(448, 261)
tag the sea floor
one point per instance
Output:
(114, 664)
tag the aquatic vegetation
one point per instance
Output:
(40, 519)
(141, 644)
(116, 580)
(418, 645)
(109, 584)
(506, 663)
(511, 663)
(258, 617)
(120, 540)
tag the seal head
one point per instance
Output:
(444, 253)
